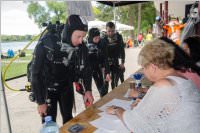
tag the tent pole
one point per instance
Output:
(114, 13)
(161, 10)
(166, 12)
(2, 89)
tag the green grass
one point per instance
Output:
(27, 57)
(15, 69)
(28, 51)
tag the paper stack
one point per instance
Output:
(111, 123)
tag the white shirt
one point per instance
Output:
(173, 109)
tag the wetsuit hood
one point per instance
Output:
(74, 22)
(93, 32)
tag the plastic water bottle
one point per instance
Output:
(49, 126)
(138, 80)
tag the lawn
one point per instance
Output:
(28, 51)
(17, 68)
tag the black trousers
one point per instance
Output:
(98, 79)
(121, 75)
(114, 71)
(65, 97)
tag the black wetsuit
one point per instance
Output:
(97, 58)
(115, 50)
(52, 80)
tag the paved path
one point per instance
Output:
(23, 114)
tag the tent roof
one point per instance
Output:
(120, 3)
(102, 25)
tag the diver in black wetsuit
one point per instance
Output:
(116, 53)
(57, 65)
(98, 59)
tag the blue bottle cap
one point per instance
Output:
(48, 118)
(137, 76)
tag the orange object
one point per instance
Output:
(174, 30)
(130, 43)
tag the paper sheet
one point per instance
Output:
(108, 116)
(101, 130)
(110, 126)
(127, 93)
(111, 123)
(118, 102)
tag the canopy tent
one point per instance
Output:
(120, 3)
(102, 25)
(96, 24)
(121, 27)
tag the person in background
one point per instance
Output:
(116, 53)
(140, 39)
(55, 66)
(173, 29)
(191, 45)
(129, 43)
(172, 102)
(149, 36)
(98, 60)
(157, 27)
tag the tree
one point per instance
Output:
(38, 13)
(129, 15)
(103, 12)
(148, 14)
(139, 17)
(52, 12)
(59, 9)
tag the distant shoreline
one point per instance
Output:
(16, 45)
(15, 38)
(15, 41)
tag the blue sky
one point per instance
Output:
(15, 20)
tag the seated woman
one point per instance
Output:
(192, 48)
(191, 45)
(172, 103)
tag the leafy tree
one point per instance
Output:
(103, 12)
(53, 11)
(148, 16)
(38, 13)
(129, 15)
(10, 38)
(96, 11)
(59, 9)
(139, 17)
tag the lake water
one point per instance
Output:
(15, 46)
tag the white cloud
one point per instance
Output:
(15, 20)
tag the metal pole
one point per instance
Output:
(163, 14)
(114, 12)
(166, 12)
(198, 24)
(6, 106)
(161, 10)
(199, 8)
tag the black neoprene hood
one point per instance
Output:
(74, 22)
